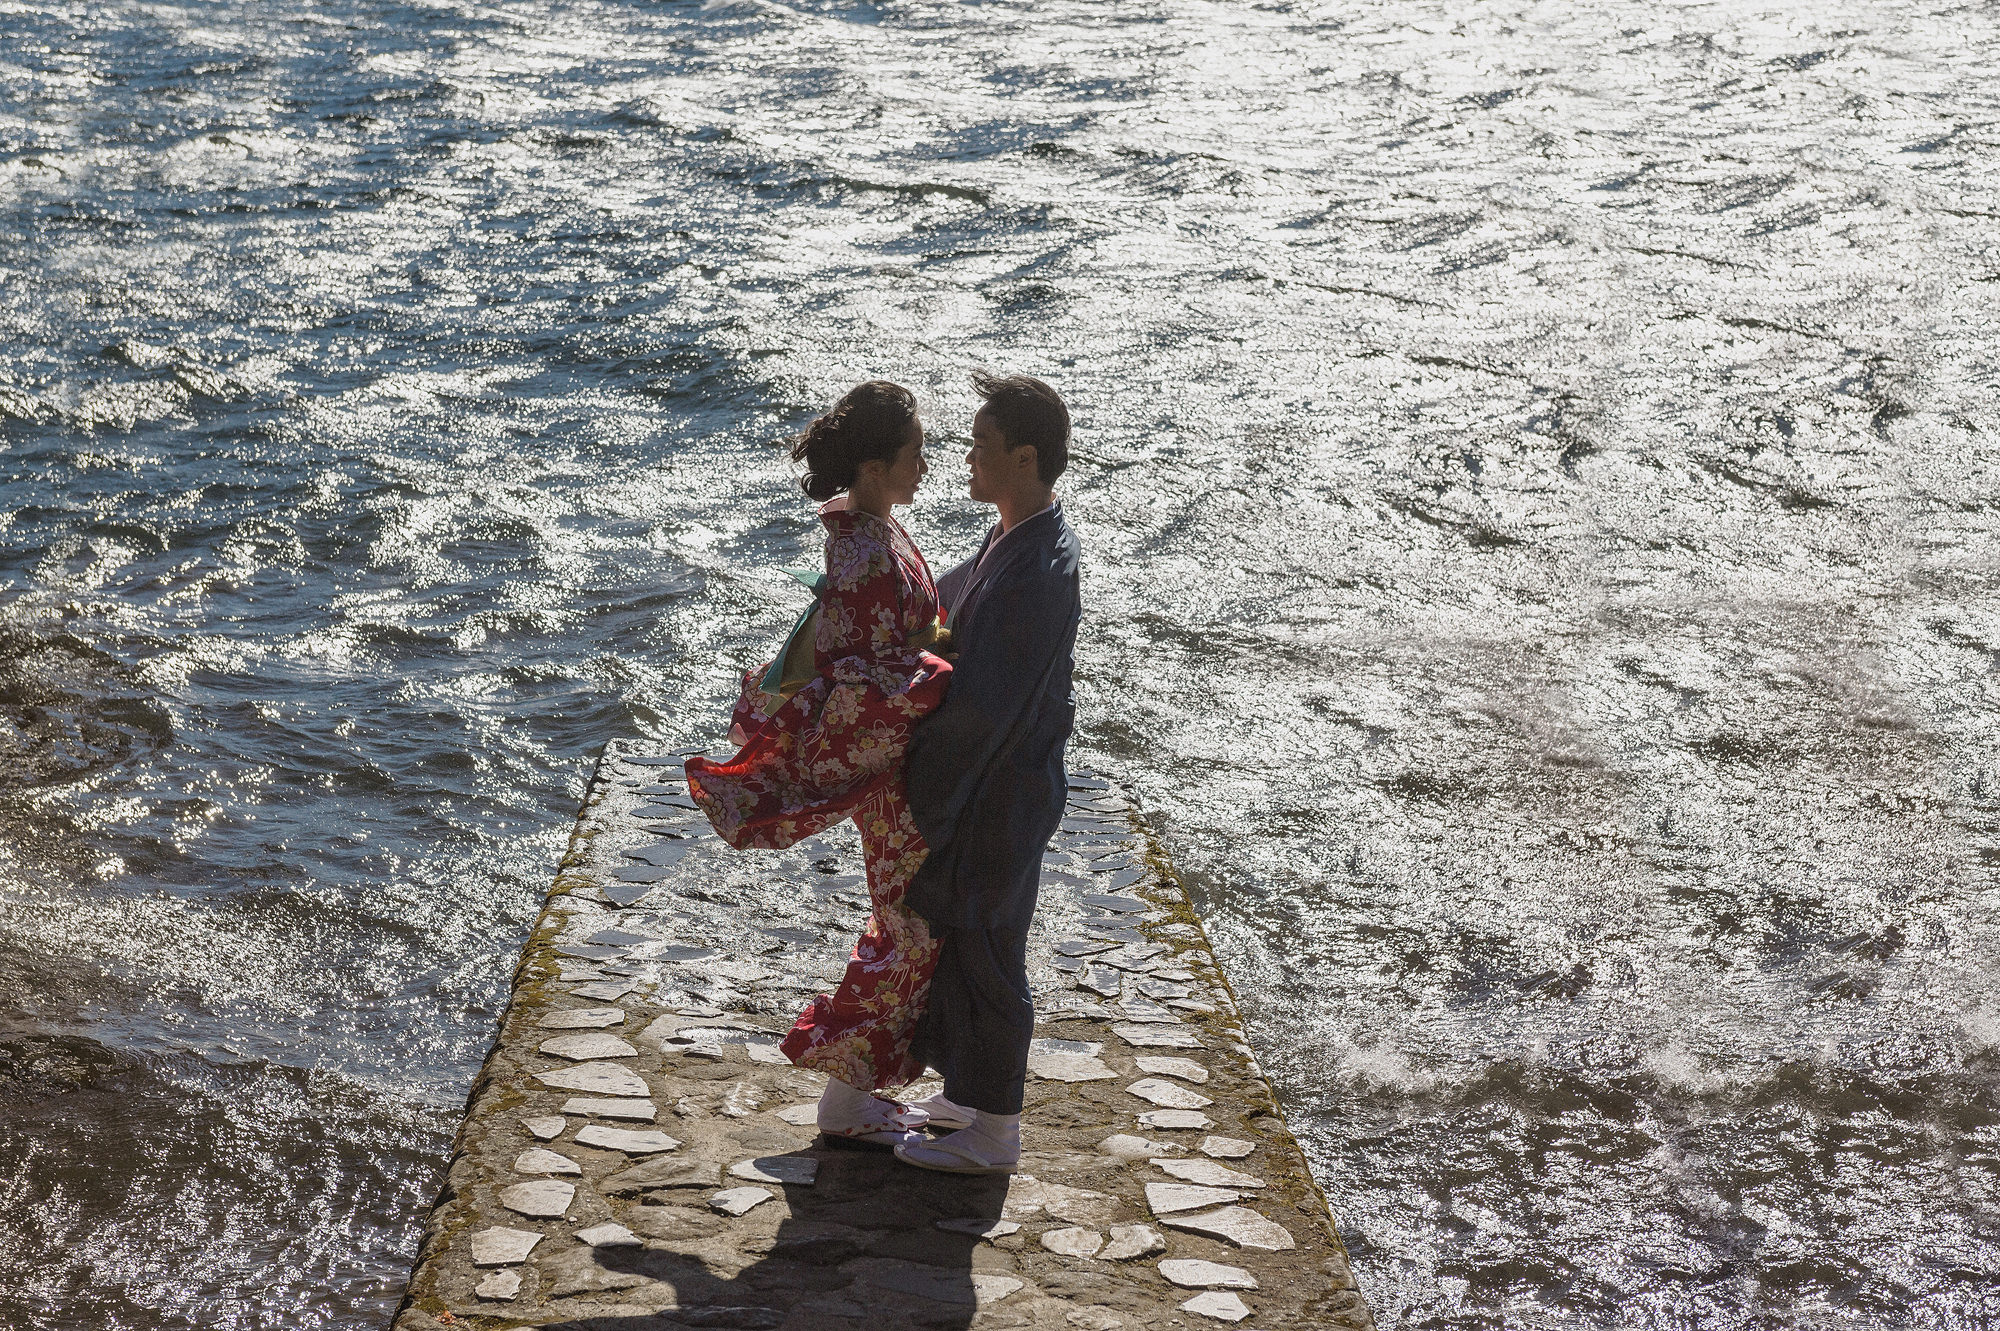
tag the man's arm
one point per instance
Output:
(1001, 669)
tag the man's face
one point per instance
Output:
(989, 460)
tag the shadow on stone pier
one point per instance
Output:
(859, 1247)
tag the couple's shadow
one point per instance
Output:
(860, 1247)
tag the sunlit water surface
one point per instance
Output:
(1538, 472)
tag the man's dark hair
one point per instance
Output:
(1028, 411)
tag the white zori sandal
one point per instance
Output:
(955, 1154)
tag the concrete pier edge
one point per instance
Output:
(1109, 1224)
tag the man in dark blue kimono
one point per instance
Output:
(986, 779)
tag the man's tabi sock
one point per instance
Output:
(943, 1112)
(992, 1145)
(997, 1137)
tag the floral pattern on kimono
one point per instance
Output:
(836, 748)
(861, 1033)
(841, 737)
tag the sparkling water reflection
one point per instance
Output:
(1537, 469)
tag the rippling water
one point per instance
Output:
(1538, 470)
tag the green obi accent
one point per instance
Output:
(792, 669)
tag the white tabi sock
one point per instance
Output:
(997, 1137)
(943, 1112)
(845, 1107)
(841, 1103)
(992, 1145)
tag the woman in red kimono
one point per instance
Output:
(823, 740)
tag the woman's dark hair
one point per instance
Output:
(870, 424)
(1028, 411)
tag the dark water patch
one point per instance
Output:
(68, 710)
(99, 1132)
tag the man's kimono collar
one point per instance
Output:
(996, 537)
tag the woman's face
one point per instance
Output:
(907, 472)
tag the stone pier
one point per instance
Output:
(638, 1156)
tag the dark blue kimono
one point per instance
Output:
(987, 786)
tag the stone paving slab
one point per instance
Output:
(638, 1156)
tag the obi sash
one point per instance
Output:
(792, 668)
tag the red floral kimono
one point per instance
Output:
(834, 749)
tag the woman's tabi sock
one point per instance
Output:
(844, 1108)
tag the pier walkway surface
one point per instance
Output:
(637, 1155)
